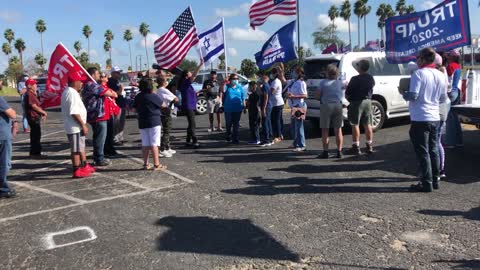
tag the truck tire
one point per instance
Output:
(378, 115)
(201, 105)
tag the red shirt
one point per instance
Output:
(452, 67)
(107, 105)
(30, 100)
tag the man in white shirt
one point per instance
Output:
(75, 117)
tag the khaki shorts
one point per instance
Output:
(213, 105)
(331, 115)
(360, 113)
(77, 142)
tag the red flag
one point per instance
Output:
(332, 48)
(62, 63)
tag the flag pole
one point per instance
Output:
(298, 26)
(225, 49)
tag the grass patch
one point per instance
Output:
(8, 92)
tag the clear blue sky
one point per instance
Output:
(65, 20)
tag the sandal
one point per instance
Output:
(147, 167)
(159, 167)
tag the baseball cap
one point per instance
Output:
(30, 82)
(115, 69)
(76, 77)
(454, 53)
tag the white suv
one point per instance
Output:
(386, 101)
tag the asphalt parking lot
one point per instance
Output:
(241, 207)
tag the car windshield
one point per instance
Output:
(317, 69)
(124, 78)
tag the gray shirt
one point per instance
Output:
(331, 91)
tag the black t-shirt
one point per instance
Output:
(360, 87)
(212, 93)
(115, 85)
(253, 102)
(148, 108)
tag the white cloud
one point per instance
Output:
(429, 4)
(10, 16)
(342, 26)
(93, 52)
(237, 33)
(151, 38)
(227, 12)
(337, 2)
(232, 52)
(119, 52)
(305, 45)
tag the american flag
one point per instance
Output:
(261, 10)
(171, 48)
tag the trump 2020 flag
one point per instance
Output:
(211, 43)
(278, 48)
(444, 27)
(62, 64)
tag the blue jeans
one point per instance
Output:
(5, 164)
(267, 129)
(232, 119)
(298, 132)
(454, 134)
(277, 122)
(441, 151)
(424, 138)
(99, 138)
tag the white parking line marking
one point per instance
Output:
(49, 242)
(176, 175)
(49, 192)
(46, 135)
(122, 181)
(87, 202)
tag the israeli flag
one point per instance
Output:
(212, 43)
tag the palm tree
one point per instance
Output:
(366, 11)
(87, 32)
(401, 7)
(109, 63)
(128, 36)
(14, 60)
(346, 13)
(40, 60)
(6, 49)
(78, 47)
(333, 14)
(358, 11)
(41, 27)
(20, 47)
(109, 37)
(9, 35)
(410, 9)
(384, 12)
(144, 32)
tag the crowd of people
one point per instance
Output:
(99, 102)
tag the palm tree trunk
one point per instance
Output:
(21, 60)
(365, 29)
(359, 32)
(110, 54)
(349, 34)
(130, 49)
(146, 53)
(88, 41)
(41, 42)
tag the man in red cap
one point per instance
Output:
(35, 114)
(75, 124)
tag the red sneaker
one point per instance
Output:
(81, 173)
(90, 168)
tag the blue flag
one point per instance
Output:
(279, 48)
(444, 27)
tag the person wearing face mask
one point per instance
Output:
(277, 102)
(296, 93)
(233, 105)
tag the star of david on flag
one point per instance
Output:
(212, 43)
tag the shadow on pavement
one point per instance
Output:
(304, 185)
(229, 237)
(473, 214)
(462, 264)
(351, 266)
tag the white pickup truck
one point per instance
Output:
(469, 112)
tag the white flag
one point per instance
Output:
(211, 44)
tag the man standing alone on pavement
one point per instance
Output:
(35, 115)
(75, 123)
(8, 130)
(114, 84)
(427, 91)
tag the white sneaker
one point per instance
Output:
(299, 149)
(171, 151)
(165, 154)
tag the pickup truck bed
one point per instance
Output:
(468, 113)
